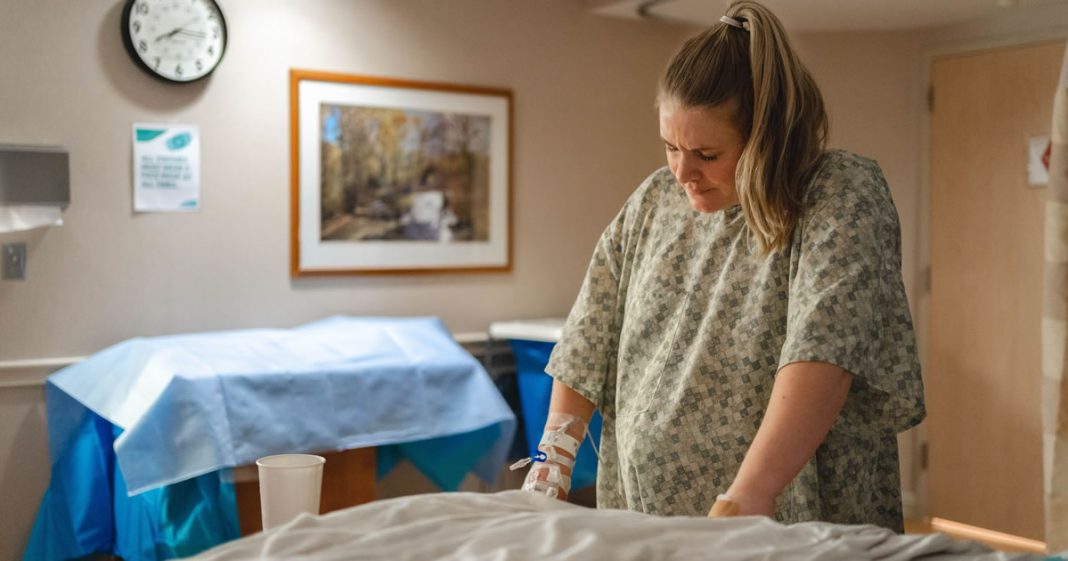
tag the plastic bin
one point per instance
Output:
(532, 342)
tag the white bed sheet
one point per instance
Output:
(520, 526)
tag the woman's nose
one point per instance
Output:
(686, 171)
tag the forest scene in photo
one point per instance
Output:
(403, 175)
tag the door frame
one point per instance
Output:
(915, 500)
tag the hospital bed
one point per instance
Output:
(521, 526)
(144, 435)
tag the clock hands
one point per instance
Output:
(177, 30)
(177, 41)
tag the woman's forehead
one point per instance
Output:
(692, 124)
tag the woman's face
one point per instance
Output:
(703, 146)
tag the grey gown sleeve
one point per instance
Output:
(585, 357)
(847, 304)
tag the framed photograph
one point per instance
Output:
(396, 176)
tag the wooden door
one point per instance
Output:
(983, 373)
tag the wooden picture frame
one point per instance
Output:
(396, 176)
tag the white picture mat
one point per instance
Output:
(334, 255)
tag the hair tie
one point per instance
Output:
(740, 23)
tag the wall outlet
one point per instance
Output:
(14, 257)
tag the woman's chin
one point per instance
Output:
(706, 204)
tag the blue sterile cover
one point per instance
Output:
(139, 432)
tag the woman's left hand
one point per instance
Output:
(741, 506)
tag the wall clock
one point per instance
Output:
(174, 40)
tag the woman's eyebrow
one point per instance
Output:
(697, 149)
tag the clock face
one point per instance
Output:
(174, 40)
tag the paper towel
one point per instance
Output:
(25, 217)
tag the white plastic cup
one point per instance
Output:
(289, 485)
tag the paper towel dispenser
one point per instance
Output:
(34, 176)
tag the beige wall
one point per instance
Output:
(585, 135)
(1028, 22)
(869, 83)
(24, 465)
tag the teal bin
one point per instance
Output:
(532, 342)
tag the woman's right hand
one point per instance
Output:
(565, 428)
(548, 478)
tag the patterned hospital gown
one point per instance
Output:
(681, 325)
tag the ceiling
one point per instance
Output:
(825, 15)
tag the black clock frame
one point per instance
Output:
(127, 41)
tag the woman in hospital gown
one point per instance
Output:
(743, 327)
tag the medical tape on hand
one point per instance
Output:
(554, 480)
(554, 476)
(562, 481)
(547, 489)
(556, 450)
(550, 455)
(560, 440)
(563, 421)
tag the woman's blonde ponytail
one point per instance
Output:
(780, 112)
